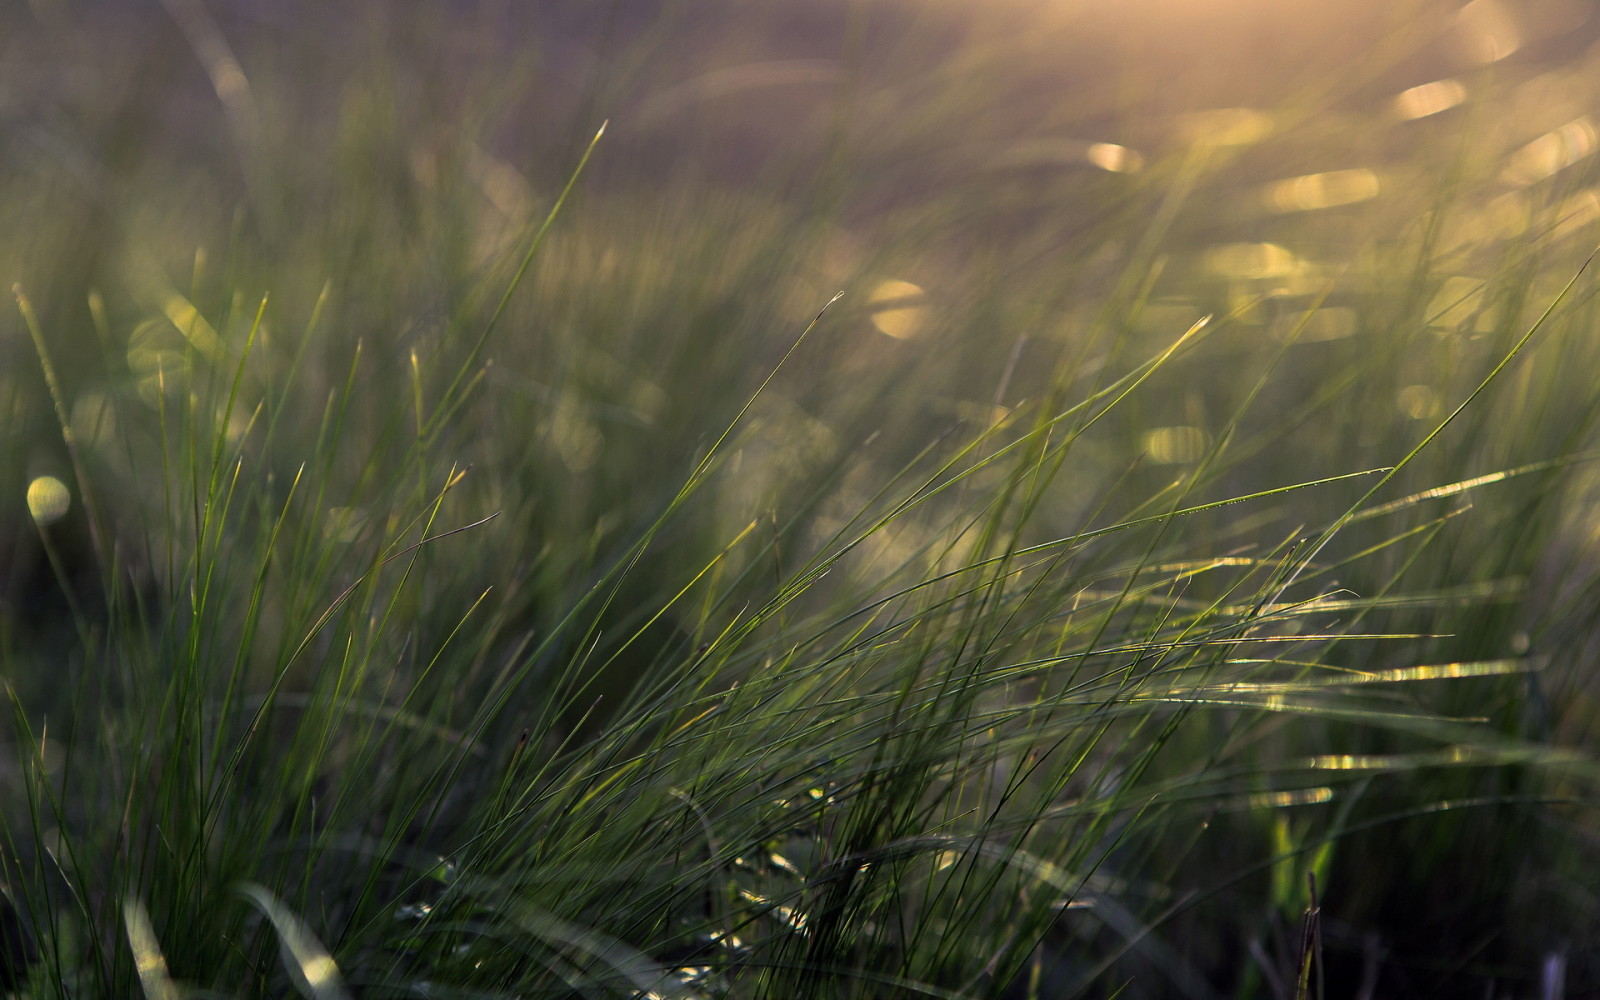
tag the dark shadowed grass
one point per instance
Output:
(487, 574)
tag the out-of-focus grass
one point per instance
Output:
(925, 657)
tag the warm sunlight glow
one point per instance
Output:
(1353, 762)
(1033, 153)
(48, 499)
(1251, 260)
(1282, 800)
(1489, 31)
(898, 308)
(1117, 159)
(1503, 217)
(1552, 152)
(320, 972)
(1456, 302)
(1576, 214)
(1326, 190)
(1227, 127)
(193, 326)
(1389, 762)
(1429, 99)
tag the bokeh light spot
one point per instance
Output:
(193, 326)
(1324, 190)
(577, 440)
(1169, 445)
(1456, 302)
(156, 358)
(898, 308)
(1429, 99)
(1419, 402)
(1115, 158)
(1033, 154)
(1503, 217)
(1552, 152)
(1489, 31)
(1327, 323)
(48, 499)
(1251, 260)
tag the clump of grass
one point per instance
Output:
(536, 596)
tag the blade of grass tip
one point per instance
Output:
(345, 594)
(316, 628)
(1310, 943)
(1069, 540)
(705, 462)
(258, 596)
(148, 959)
(59, 400)
(1152, 367)
(1213, 455)
(447, 402)
(1463, 486)
(1198, 508)
(672, 602)
(1431, 436)
(938, 483)
(609, 584)
(291, 373)
(315, 972)
(227, 414)
(1118, 390)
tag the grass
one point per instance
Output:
(858, 527)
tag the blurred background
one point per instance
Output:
(1020, 199)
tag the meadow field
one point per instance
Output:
(800, 499)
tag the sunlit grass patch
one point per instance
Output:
(904, 512)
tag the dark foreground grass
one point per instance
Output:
(455, 557)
